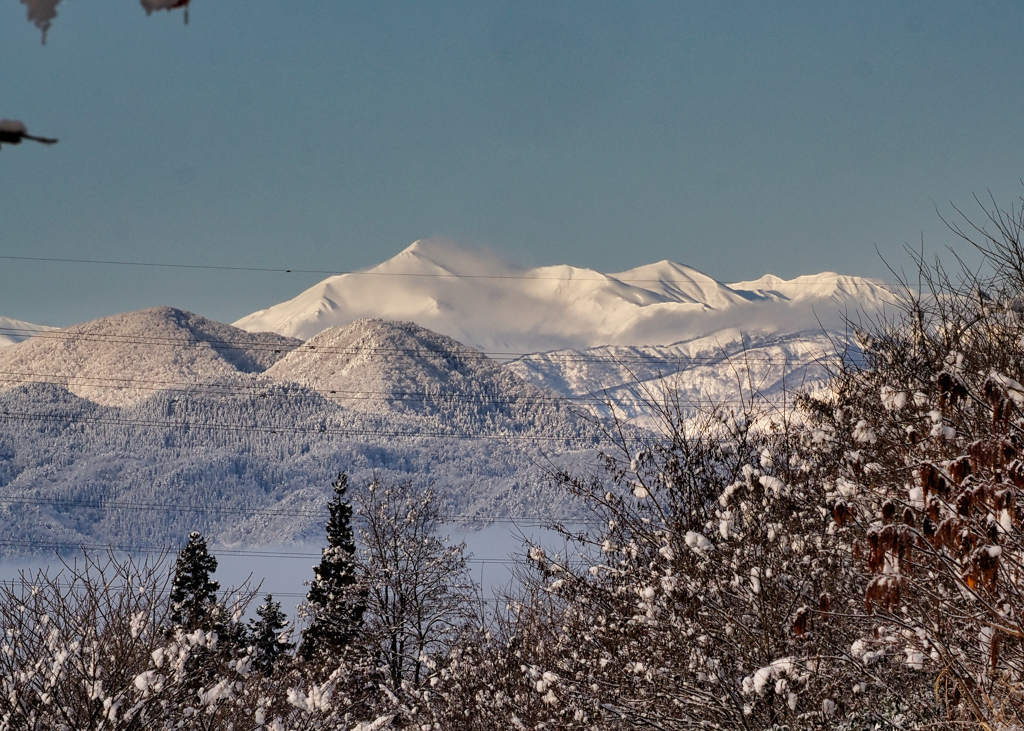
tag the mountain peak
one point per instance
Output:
(417, 258)
(440, 256)
(822, 285)
(375, 365)
(374, 348)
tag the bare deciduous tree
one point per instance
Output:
(418, 589)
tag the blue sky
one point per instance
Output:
(736, 137)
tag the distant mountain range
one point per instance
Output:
(14, 331)
(491, 305)
(137, 428)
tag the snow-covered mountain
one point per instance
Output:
(375, 366)
(440, 365)
(14, 331)
(485, 302)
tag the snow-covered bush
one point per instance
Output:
(931, 504)
(709, 590)
(94, 646)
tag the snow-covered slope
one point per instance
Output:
(492, 305)
(122, 359)
(827, 285)
(15, 331)
(371, 361)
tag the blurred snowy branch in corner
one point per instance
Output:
(42, 12)
(13, 132)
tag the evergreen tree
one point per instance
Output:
(266, 634)
(334, 601)
(193, 592)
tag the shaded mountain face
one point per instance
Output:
(122, 359)
(491, 305)
(246, 470)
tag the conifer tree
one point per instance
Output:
(193, 592)
(266, 634)
(335, 603)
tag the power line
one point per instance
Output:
(303, 392)
(276, 594)
(343, 398)
(141, 506)
(57, 546)
(282, 387)
(431, 275)
(465, 353)
(323, 431)
(256, 391)
(580, 441)
(282, 384)
(171, 550)
(158, 507)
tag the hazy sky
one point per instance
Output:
(737, 137)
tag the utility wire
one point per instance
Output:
(27, 580)
(307, 393)
(280, 388)
(171, 550)
(464, 353)
(341, 398)
(143, 506)
(322, 431)
(431, 275)
(268, 391)
(582, 442)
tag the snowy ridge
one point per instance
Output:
(714, 370)
(15, 331)
(382, 358)
(828, 285)
(238, 431)
(482, 301)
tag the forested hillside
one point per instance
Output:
(177, 426)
